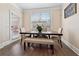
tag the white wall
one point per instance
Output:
(56, 20)
(55, 17)
(71, 29)
(4, 21)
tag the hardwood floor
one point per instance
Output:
(16, 49)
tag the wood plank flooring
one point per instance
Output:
(16, 49)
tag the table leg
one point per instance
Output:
(49, 36)
(24, 45)
(30, 35)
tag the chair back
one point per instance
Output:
(22, 29)
(22, 35)
(60, 30)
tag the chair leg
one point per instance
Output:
(60, 41)
(21, 39)
(61, 44)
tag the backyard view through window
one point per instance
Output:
(42, 19)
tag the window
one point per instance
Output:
(42, 19)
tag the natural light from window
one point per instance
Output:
(42, 19)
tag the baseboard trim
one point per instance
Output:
(76, 50)
(2, 45)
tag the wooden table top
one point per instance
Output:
(43, 33)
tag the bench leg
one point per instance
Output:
(40, 45)
(52, 48)
(28, 44)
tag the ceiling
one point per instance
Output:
(37, 5)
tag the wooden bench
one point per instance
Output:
(39, 41)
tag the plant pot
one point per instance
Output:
(39, 31)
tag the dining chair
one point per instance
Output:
(23, 36)
(57, 37)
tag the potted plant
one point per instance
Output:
(39, 28)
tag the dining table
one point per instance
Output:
(48, 33)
